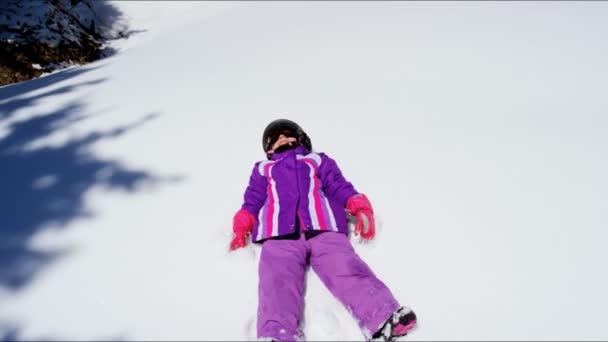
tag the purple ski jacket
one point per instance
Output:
(297, 183)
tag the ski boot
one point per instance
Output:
(399, 324)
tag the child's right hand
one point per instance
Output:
(242, 225)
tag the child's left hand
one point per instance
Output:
(365, 225)
(360, 207)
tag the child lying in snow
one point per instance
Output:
(295, 207)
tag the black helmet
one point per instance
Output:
(289, 129)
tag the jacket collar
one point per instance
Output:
(289, 153)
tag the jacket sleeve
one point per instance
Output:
(333, 182)
(255, 194)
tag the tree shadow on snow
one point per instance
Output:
(16, 96)
(10, 335)
(13, 334)
(43, 186)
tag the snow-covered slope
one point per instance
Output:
(477, 129)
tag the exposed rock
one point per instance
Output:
(38, 36)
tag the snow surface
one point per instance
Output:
(477, 130)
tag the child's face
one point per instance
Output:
(282, 140)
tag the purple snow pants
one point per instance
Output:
(282, 273)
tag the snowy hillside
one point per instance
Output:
(477, 130)
(58, 22)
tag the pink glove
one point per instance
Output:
(242, 225)
(360, 207)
